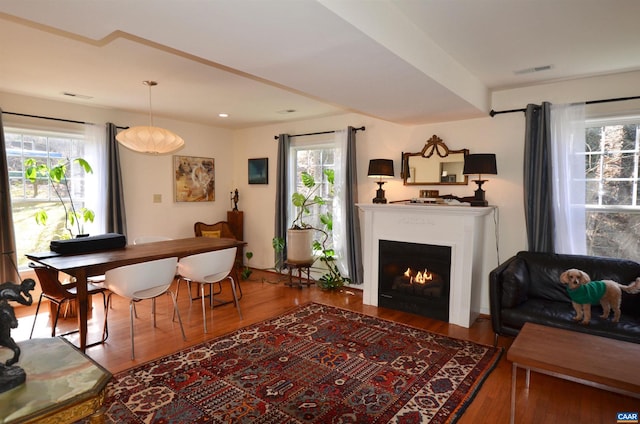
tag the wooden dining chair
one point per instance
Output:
(210, 268)
(140, 281)
(220, 229)
(62, 295)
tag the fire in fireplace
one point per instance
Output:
(415, 277)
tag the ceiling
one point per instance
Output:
(270, 61)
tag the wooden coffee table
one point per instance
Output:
(600, 362)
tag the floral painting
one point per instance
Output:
(194, 179)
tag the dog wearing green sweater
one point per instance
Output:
(584, 293)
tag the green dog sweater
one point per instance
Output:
(590, 293)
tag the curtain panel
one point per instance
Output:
(8, 260)
(538, 204)
(569, 178)
(352, 220)
(116, 218)
(282, 199)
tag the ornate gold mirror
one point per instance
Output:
(434, 165)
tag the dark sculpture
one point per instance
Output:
(11, 375)
(236, 197)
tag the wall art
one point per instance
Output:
(259, 171)
(194, 179)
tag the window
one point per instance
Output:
(313, 159)
(27, 198)
(612, 188)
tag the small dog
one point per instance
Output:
(584, 293)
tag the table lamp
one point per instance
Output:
(380, 168)
(480, 163)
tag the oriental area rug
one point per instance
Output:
(316, 364)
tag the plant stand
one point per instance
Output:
(300, 267)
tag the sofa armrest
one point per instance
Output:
(508, 287)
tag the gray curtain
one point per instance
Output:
(282, 200)
(352, 224)
(538, 205)
(8, 261)
(116, 219)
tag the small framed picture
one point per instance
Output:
(259, 171)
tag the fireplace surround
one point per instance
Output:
(459, 228)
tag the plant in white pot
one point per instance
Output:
(301, 242)
(57, 176)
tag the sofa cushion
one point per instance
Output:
(515, 284)
(559, 315)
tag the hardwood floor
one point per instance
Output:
(548, 400)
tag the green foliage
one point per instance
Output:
(332, 279)
(57, 176)
(304, 201)
(246, 271)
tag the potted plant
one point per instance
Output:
(57, 176)
(301, 237)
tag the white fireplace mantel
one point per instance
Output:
(460, 227)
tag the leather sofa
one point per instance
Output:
(527, 288)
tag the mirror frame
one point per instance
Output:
(433, 145)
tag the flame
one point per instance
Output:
(420, 278)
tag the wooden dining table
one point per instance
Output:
(85, 265)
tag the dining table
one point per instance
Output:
(85, 265)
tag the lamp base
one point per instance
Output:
(479, 199)
(379, 194)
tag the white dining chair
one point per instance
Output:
(207, 269)
(145, 280)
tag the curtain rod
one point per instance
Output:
(362, 128)
(55, 119)
(590, 102)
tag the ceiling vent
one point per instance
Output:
(78, 96)
(534, 69)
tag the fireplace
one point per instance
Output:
(458, 229)
(414, 277)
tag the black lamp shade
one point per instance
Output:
(380, 168)
(480, 163)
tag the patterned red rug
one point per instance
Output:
(316, 364)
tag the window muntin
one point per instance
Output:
(27, 198)
(612, 188)
(314, 159)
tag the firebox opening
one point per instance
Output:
(415, 278)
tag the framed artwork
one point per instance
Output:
(259, 171)
(194, 179)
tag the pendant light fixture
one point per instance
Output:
(150, 139)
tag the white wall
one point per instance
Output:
(145, 175)
(504, 135)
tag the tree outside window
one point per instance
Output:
(612, 190)
(27, 197)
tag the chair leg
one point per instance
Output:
(131, 312)
(55, 321)
(105, 328)
(36, 316)
(188, 288)
(235, 298)
(177, 312)
(204, 311)
(153, 311)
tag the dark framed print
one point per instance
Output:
(259, 171)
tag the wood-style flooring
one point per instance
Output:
(548, 400)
